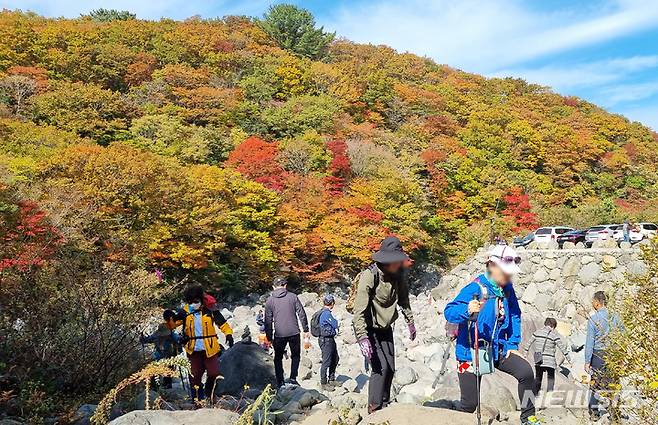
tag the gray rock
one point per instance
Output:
(580, 245)
(589, 273)
(540, 275)
(179, 417)
(568, 245)
(571, 267)
(625, 245)
(530, 293)
(405, 376)
(637, 267)
(245, 364)
(586, 259)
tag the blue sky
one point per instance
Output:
(605, 51)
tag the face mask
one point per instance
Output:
(195, 306)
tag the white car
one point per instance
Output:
(638, 232)
(548, 234)
(600, 233)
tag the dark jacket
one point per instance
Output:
(283, 310)
(328, 324)
(377, 308)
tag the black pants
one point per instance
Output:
(279, 345)
(600, 386)
(514, 365)
(539, 376)
(382, 368)
(329, 358)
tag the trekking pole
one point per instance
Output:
(474, 319)
(182, 380)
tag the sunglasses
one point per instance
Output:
(509, 259)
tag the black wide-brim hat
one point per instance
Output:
(390, 251)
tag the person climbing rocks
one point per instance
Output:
(200, 339)
(381, 288)
(491, 296)
(546, 341)
(165, 340)
(328, 331)
(283, 312)
(599, 326)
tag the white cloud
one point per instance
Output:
(568, 77)
(485, 36)
(647, 115)
(145, 9)
(630, 92)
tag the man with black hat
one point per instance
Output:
(283, 312)
(382, 287)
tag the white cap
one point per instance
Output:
(506, 258)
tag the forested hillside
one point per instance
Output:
(230, 148)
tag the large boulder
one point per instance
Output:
(245, 364)
(589, 273)
(409, 414)
(178, 417)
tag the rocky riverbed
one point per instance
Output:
(554, 282)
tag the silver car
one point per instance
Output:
(600, 233)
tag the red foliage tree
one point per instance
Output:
(339, 167)
(257, 159)
(519, 210)
(28, 240)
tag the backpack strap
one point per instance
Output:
(483, 288)
(375, 274)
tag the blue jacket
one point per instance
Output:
(598, 329)
(328, 324)
(508, 331)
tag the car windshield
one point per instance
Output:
(543, 231)
(596, 228)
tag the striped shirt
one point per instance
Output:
(546, 340)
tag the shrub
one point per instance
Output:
(632, 353)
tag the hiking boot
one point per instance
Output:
(327, 387)
(532, 420)
(293, 382)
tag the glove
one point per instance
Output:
(412, 331)
(366, 347)
(229, 340)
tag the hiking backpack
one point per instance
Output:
(351, 298)
(315, 323)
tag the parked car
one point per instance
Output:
(600, 233)
(548, 234)
(638, 232)
(523, 241)
(574, 236)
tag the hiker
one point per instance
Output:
(328, 330)
(166, 341)
(380, 289)
(545, 341)
(283, 312)
(199, 316)
(491, 296)
(599, 326)
(626, 229)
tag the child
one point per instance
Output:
(328, 330)
(546, 340)
(165, 340)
